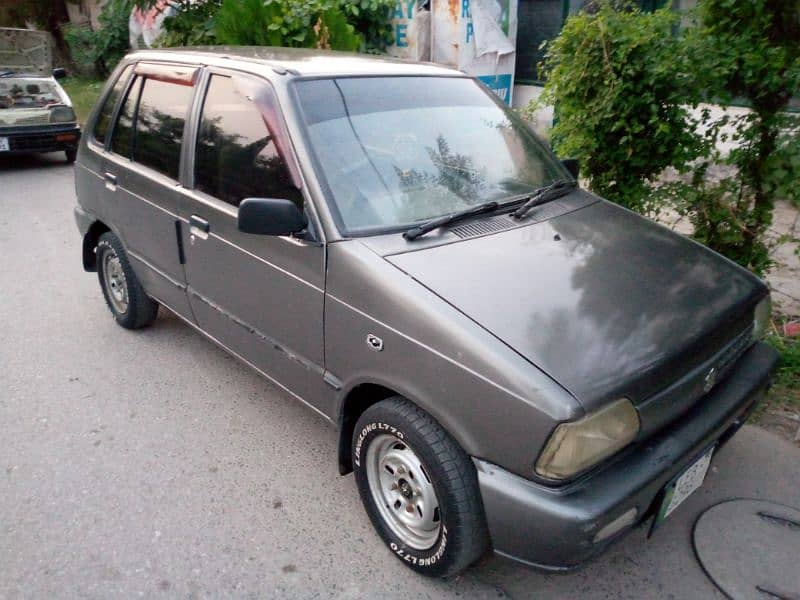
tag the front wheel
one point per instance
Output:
(419, 488)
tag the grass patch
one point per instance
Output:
(83, 92)
(780, 410)
(788, 373)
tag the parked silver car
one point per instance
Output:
(36, 114)
(513, 363)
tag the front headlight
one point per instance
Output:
(62, 114)
(576, 446)
(761, 317)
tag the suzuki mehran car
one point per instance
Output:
(512, 362)
(36, 114)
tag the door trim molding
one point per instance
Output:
(249, 364)
(149, 265)
(268, 340)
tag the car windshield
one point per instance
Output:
(21, 92)
(394, 151)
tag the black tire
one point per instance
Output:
(71, 155)
(463, 537)
(141, 310)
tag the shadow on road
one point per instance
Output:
(22, 162)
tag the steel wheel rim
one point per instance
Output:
(403, 492)
(116, 285)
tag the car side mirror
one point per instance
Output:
(270, 216)
(573, 165)
(59, 73)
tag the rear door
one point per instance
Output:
(89, 181)
(141, 174)
(260, 296)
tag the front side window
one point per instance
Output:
(104, 118)
(122, 136)
(236, 157)
(397, 150)
(159, 125)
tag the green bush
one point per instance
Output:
(334, 24)
(617, 79)
(302, 24)
(622, 82)
(194, 24)
(717, 212)
(789, 348)
(749, 50)
(371, 20)
(98, 51)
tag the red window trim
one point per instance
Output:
(177, 74)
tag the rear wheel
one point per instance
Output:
(126, 299)
(72, 154)
(419, 489)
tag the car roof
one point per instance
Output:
(297, 61)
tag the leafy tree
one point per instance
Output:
(336, 24)
(194, 24)
(617, 79)
(623, 81)
(748, 50)
(305, 24)
(100, 50)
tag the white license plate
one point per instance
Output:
(683, 487)
(4, 147)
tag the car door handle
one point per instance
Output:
(198, 228)
(199, 223)
(111, 181)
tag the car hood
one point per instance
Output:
(606, 302)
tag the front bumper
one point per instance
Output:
(555, 528)
(41, 138)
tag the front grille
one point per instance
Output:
(32, 143)
(40, 142)
(670, 403)
(34, 120)
(731, 354)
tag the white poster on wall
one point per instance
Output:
(477, 37)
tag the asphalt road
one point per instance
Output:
(152, 464)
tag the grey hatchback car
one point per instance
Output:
(512, 362)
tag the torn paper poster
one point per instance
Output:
(477, 37)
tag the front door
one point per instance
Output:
(259, 296)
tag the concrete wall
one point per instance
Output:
(85, 12)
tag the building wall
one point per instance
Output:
(85, 12)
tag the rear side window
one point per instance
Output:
(104, 118)
(235, 157)
(159, 125)
(122, 136)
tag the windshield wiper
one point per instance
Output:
(424, 228)
(558, 188)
